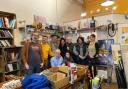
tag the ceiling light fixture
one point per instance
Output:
(106, 9)
(108, 3)
(91, 12)
(114, 8)
(83, 14)
(98, 10)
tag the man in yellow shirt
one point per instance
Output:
(46, 50)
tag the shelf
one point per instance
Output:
(12, 71)
(10, 62)
(1, 72)
(6, 28)
(5, 38)
(2, 13)
(13, 47)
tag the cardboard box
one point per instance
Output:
(54, 69)
(58, 80)
(81, 70)
(64, 69)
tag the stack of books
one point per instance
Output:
(10, 56)
(5, 34)
(4, 43)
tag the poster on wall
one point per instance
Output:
(124, 36)
(106, 44)
(116, 53)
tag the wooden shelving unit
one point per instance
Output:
(9, 53)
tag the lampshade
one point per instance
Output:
(108, 3)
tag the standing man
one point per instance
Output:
(69, 44)
(54, 42)
(46, 51)
(31, 55)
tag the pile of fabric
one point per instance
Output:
(36, 82)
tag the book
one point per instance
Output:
(1, 44)
(9, 45)
(12, 23)
(2, 33)
(1, 24)
(6, 21)
(4, 43)
(10, 56)
(10, 34)
(7, 34)
(9, 67)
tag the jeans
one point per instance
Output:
(33, 69)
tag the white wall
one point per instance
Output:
(102, 20)
(25, 9)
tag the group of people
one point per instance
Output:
(58, 51)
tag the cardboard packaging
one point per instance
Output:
(58, 80)
(64, 69)
(81, 70)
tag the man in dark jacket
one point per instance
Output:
(69, 44)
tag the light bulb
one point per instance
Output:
(83, 14)
(107, 3)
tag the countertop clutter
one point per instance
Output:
(13, 84)
(62, 80)
(58, 77)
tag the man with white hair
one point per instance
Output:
(57, 60)
(69, 44)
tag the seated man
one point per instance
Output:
(57, 60)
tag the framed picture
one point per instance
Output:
(106, 44)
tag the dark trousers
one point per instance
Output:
(92, 64)
(33, 69)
